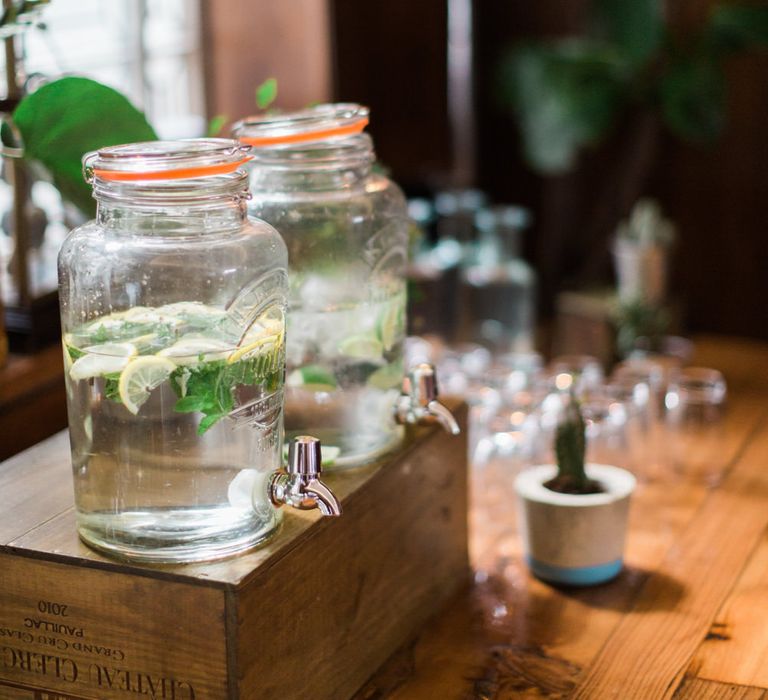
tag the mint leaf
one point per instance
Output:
(74, 353)
(208, 422)
(210, 386)
(266, 93)
(112, 387)
(190, 404)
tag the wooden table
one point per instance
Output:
(686, 619)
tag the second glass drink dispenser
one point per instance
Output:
(346, 229)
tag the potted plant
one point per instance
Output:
(574, 516)
(641, 251)
(591, 110)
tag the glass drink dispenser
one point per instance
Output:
(346, 228)
(173, 317)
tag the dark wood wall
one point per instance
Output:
(392, 57)
(719, 198)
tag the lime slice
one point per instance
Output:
(187, 351)
(389, 326)
(140, 377)
(312, 378)
(363, 347)
(99, 360)
(388, 377)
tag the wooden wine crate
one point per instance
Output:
(311, 615)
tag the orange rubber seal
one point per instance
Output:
(354, 128)
(178, 174)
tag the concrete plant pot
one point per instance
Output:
(641, 271)
(569, 539)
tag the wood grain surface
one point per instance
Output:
(687, 618)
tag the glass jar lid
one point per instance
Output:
(313, 124)
(165, 160)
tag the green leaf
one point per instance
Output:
(208, 421)
(190, 404)
(216, 125)
(73, 352)
(112, 387)
(566, 95)
(266, 93)
(65, 119)
(636, 27)
(693, 99)
(737, 27)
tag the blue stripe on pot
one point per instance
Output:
(575, 576)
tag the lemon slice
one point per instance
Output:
(187, 351)
(312, 378)
(272, 326)
(390, 325)
(99, 360)
(363, 347)
(254, 347)
(140, 377)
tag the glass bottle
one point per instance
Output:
(432, 274)
(498, 286)
(346, 228)
(172, 307)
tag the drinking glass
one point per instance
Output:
(586, 370)
(637, 393)
(606, 419)
(695, 403)
(505, 447)
(460, 366)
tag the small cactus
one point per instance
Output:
(570, 447)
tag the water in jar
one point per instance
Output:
(345, 366)
(178, 422)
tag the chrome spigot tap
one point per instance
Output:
(418, 402)
(299, 485)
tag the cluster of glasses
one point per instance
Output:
(468, 279)
(652, 414)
